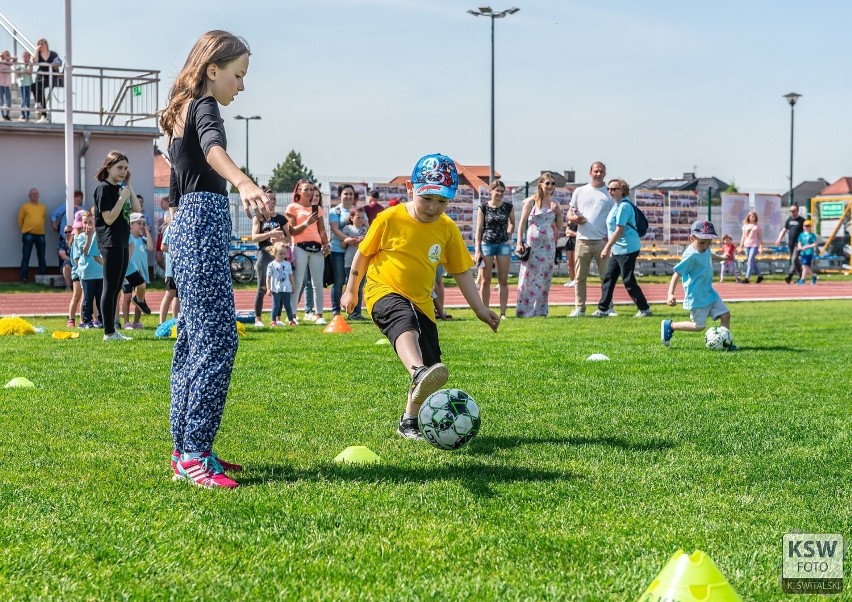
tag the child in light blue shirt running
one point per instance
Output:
(696, 270)
(807, 244)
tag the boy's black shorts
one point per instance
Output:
(133, 280)
(394, 314)
(170, 284)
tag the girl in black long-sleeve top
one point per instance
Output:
(200, 234)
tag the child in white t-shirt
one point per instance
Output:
(280, 282)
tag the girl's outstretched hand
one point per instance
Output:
(254, 201)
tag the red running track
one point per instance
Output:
(56, 303)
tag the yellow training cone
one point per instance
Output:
(357, 454)
(20, 381)
(690, 578)
(338, 324)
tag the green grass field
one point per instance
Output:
(585, 478)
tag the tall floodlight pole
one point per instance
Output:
(792, 97)
(486, 11)
(247, 119)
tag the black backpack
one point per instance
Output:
(641, 226)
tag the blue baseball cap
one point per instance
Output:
(435, 174)
(704, 230)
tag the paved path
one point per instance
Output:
(56, 303)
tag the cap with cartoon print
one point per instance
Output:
(435, 174)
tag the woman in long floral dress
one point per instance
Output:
(541, 219)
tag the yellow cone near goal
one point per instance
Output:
(357, 454)
(690, 578)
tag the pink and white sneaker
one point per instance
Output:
(205, 471)
(227, 466)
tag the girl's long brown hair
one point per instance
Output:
(111, 159)
(215, 47)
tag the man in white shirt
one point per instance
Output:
(590, 205)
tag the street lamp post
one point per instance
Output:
(247, 119)
(792, 97)
(486, 11)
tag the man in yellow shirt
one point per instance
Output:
(31, 220)
(400, 255)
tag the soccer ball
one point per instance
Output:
(449, 418)
(718, 338)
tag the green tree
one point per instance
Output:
(732, 187)
(253, 179)
(285, 175)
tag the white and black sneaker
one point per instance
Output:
(117, 336)
(426, 380)
(409, 429)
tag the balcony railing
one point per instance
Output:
(106, 96)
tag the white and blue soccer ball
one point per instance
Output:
(718, 338)
(449, 418)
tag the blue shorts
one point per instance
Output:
(806, 259)
(496, 249)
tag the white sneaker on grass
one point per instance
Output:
(611, 313)
(117, 336)
(309, 317)
(258, 323)
(644, 313)
(577, 313)
(320, 322)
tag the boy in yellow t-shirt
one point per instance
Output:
(400, 255)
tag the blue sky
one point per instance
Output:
(653, 89)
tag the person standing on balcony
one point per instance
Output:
(31, 219)
(46, 75)
(5, 84)
(24, 71)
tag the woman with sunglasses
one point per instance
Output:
(493, 244)
(541, 219)
(624, 245)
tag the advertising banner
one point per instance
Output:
(735, 207)
(652, 204)
(769, 218)
(683, 211)
(462, 211)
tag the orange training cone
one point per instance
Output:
(338, 324)
(690, 578)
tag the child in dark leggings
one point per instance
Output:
(114, 200)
